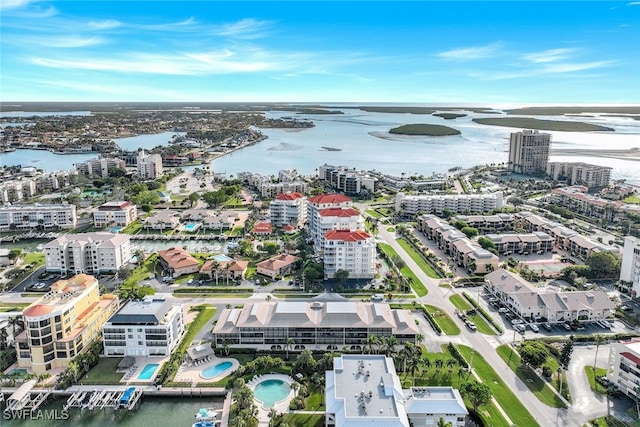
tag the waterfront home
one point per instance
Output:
(233, 268)
(118, 214)
(149, 327)
(278, 265)
(328, 325)
(63, 323)
(166, 219)
(178, 262)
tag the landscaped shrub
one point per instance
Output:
(457, 355)
(482, 312)
(432, 321)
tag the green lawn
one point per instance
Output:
(303, 420)
(141, 273)
(373, 213)
(132, 228)
(416, 284)
(462, 305)
(443, 320)
(633, 199)
(315, 401)
(36, 258)
(417, 258)
(595, 385)
(537, 385)
(104, 372)
(515, 410)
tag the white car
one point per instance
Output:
(534, 327)
(516, 322)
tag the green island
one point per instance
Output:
(449, 116)
(424, 130)
(531, 123)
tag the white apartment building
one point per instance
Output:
(288, 209)
(149, 327)
(578, 173)
(364, 389)
(17, 190)
(576, 199)
(37, 216)
(101, 167)
(348, 180)
(353, 251)
(149, 165)
(92, 253)
(320, 202)
(630, 268)
(118, 214)
(410, 205)
(624, 366)
(529, 152)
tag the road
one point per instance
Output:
(486, 345)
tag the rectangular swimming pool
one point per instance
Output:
(148, 371)
(221, 258)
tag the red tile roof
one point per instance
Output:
(340, 212)
(329, 198)
(262, 227)
(635, 359)
(346, 235)
(292, 195)
(37, 310)
(177, 258)
(277, 262)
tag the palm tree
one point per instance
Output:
(427, 363)
(439, 363)
(599, 339)
(16, 322)
(451, 363)
(443, 423)
(369, 343)
(290, 343)
(389, 343)
(74, 370)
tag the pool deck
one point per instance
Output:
(192, 374)
(281, 407)
(131, 375)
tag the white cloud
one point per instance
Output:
(471, 53)
(248, 28)
(14, 4)
(634, 3)
(551, 55)
(106, 24)
(63, 41)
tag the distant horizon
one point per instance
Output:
(374, 52)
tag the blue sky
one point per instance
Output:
(497, 52)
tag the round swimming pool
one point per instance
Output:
(215, 370)
(271, 391)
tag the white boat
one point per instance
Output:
(206, 414)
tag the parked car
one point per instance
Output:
(547, 326)
(534, 327)
(503, 310)
(566, 326)
(519, 328)
(471, 326)
(517, 321)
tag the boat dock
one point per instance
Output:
(118, 398)
(26, 398)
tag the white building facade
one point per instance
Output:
(352, 251)
(149, 165)
(410, 205)
(91, 253)
(288, 209)
(149, 327)
(37, 216)
(630, 268)
(529, 152)
(118, 214)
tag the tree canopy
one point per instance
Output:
(478, 394)
(603, 264)
(534, 353)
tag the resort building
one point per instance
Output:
(118, 214)
(148, 327)
(213, 219)
(624, 366)
(269, 189)
(262, 229)
(102, 167)
(178, 262)
(227, 268)
(278, 265)
(564, 238)
(92, 253)
(149, 165)
(526, 243)
(529, 152)
(364, 389)
(462, 250)
(348, 181)
(485, 224)
(166, 219)
(352, 251)
(329, 325)
(412, 205)
(288, 209)
(579, 201)
(578, 173)
(630, 269)
(434, 182)
(323, 201)
(63, 323)
(528, 301)
(17, 190)
(37, 217)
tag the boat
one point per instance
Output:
(206, 414)
(204, 424)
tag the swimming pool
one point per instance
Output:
(221, 257)
(191, 226)
(18, 372)
(271, 391)
(147, 371)
(215, 370)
